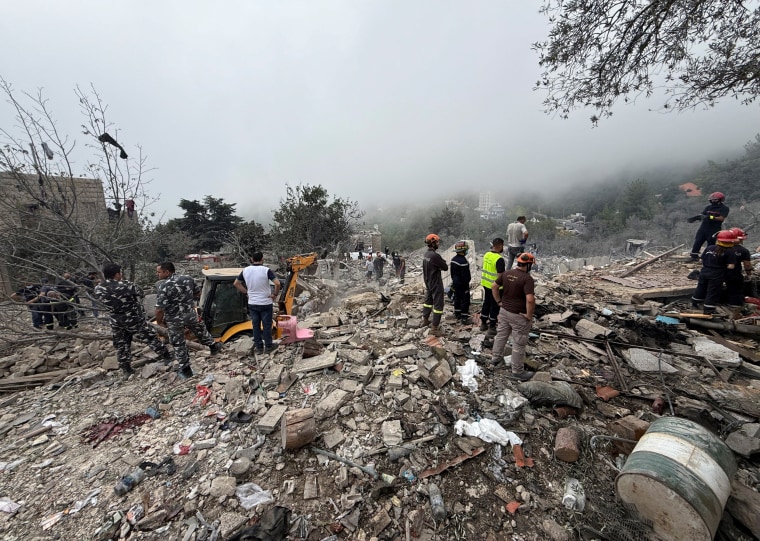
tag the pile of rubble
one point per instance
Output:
(375, 430)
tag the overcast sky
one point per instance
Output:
(378, 101)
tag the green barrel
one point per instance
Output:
(678, 478)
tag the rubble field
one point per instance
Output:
(348, 435)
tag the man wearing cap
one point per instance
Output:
(514, 290)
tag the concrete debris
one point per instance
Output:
(368, 413)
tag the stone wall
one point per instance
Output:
(83, 196)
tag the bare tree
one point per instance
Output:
(698, 51)
(52, 219)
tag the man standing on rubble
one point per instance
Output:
(493, 266)
(514, 289)
(127, 318)
(175, 309)
(460, 282)
(739, 279)
(378, 265)
(717, 261)
(432, 265)
(517, 236)
(254, 281)
(711, 218)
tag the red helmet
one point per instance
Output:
(431, 238)
(726, 238)
(526, 258)
(740, 234)
(716, 197)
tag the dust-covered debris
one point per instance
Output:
(343, 436)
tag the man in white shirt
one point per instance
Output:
(254, 281)
(517, 235)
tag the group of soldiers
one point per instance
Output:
(508, 297)
(175, 309)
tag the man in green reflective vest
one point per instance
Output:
(493, 266)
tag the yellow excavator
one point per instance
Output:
(224, 309)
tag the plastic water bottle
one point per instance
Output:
(128, 482)
(575, 496)
(436, 502)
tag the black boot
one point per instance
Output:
(126, 371)
(185, 372)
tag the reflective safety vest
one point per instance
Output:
(488, 274)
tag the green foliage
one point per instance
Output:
(308, 221)
(168, 243)
(246, 239)
(206, 222)
(448, 222)
(638, 201)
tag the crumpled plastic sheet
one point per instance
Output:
(251, 495)
(8, 506)
(468, 373)
(512, 400)
(487, 430)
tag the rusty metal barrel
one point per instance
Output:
(678, 478)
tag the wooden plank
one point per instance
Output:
(715, 337)
(268, 423)
(678, 291)
(649, 261)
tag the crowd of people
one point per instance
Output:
(726, 273)
(59, 302)
(508, 293)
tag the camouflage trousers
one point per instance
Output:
(122, 340)
(176, 328)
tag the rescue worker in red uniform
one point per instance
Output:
(432, 265)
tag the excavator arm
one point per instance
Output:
(296, 264)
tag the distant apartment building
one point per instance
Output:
(488, 208)
(23, 197)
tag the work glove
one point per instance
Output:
(522, 241)
(694, 219)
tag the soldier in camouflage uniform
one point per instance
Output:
(175, 307)
(127, 317)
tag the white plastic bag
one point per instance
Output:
(468, 373)
(487, 430)
(251, 495)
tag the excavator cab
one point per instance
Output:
(224, 309)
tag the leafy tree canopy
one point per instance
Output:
(599, 51)
(207, 222)
(307, 220)
(448, 222)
